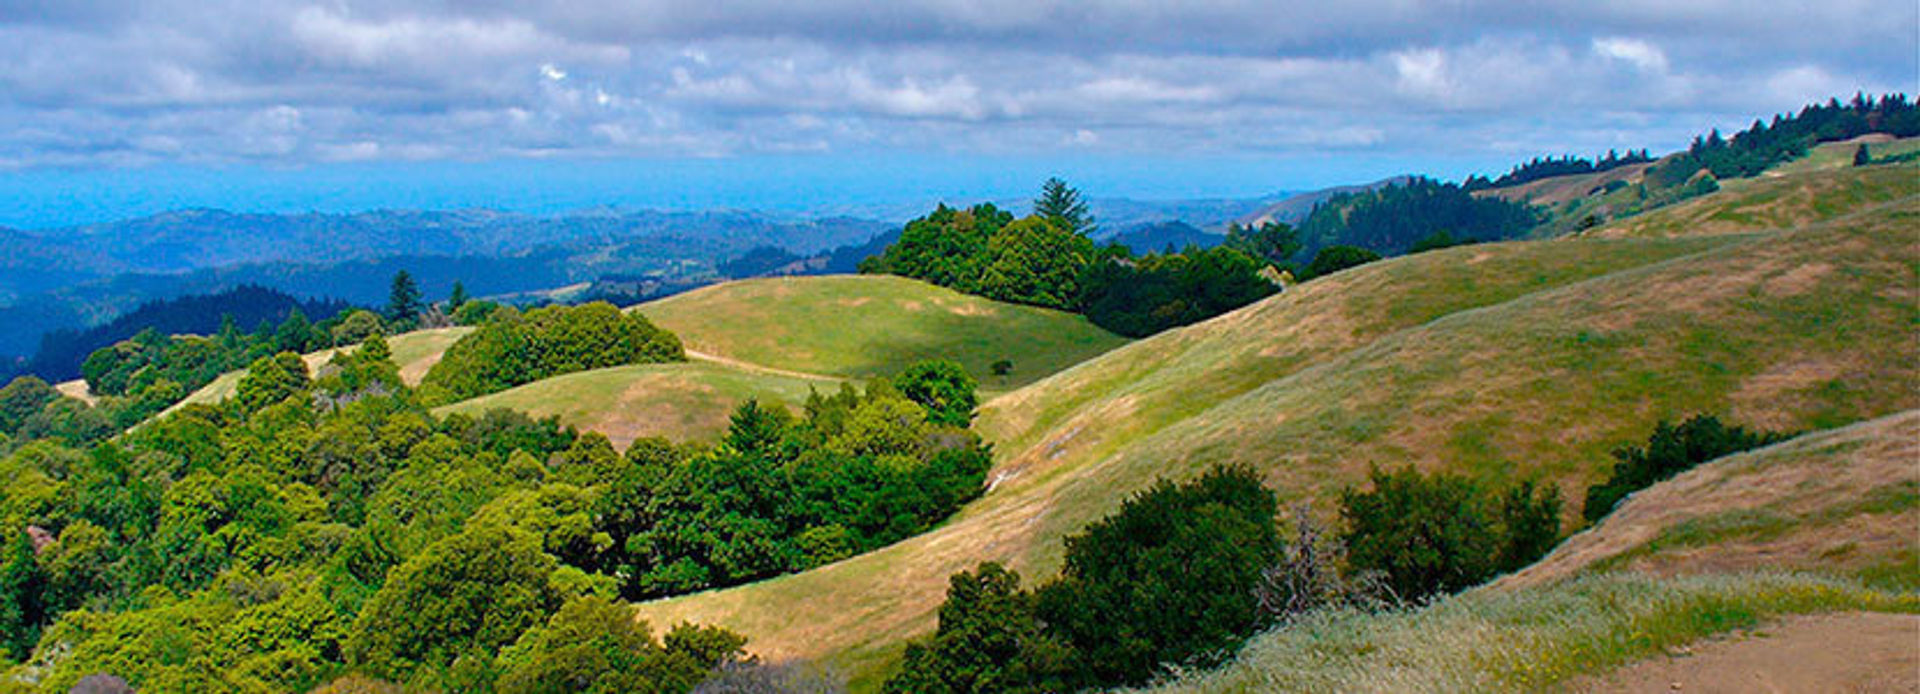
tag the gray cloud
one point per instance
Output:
(107, 84)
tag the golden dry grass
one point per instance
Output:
(1499, 361)
(1840, 500)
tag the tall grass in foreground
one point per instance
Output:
(1522, 640)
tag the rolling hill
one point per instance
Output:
(1499, 361)
(683, 401)
(868, 326)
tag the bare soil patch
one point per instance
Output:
(1847, 652)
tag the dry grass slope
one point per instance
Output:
(1844, 500)
(1782, 201)
(1499, 361)
(685, 401)
(868, 326)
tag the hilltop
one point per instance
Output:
(1503, 360)
(868, 326)
(682, 402)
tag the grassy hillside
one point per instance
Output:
(1529, 359)
(865, 326)
(1524, 641)
(679, 401)
(1842, 500)
(414, 352)
(1781, 201)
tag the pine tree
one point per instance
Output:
(457, 297)
(403, 303)
(1861, 157)
(1061, 202)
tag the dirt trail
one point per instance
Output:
(1846, 652)
(747, 366)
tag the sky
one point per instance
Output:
(117, 109)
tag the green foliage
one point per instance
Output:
(468, 595)
(358, 326)
(947, 248)
(943, 388)
(1670, 450)
(1390, 219)
(1763, 145)
(595, 645)
(1167, 579)
(1061, 204)
(457, 298)
(22, 592)
(1036, 261)
(512, 349)
(858, 472)
(272, 379)
(1143, 296)
(1273, 242)
(1333, 259)
(1860, 156)
(1170, 578)
(989, 640)
(403, 299)
(984, 251)
(474, 312)
(1427, 535)
(22, 398)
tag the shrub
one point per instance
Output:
(1670, 451)
(1168, 579)
(1333, 259)
(1441, 533)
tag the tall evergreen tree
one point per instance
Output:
(403, 302)
(457, 297)
(1061, 202)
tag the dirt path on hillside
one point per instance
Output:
(745, 366)
(1846, 652)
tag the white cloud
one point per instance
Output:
(1641, 54)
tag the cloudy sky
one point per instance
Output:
(114, 108)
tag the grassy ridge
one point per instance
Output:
(1775, 201)
(683, 401)
(868, 326)
(1843, 501)
(1523, 641)
(1502, 360)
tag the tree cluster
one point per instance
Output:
(1548, 167)
(323, 524)
(1669, 451)
(855, 472)
(1167, 579)
(512, 348)
(1048, 260)
(1391, 219)
(1432, 534)
(1788, 136)
(1141, 296)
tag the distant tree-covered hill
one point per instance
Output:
(1392, 219)
(61, 352)
(1166, 236)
